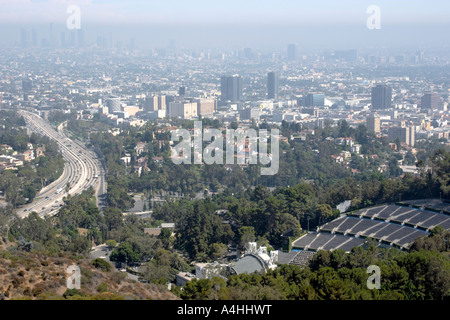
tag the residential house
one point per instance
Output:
(140, 148)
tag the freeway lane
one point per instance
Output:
(81, 171)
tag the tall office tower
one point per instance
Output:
(27, 85)
(403, 133)
(34, 38)
(373, 123)
(412, 136)
(169, 99)
(420, 56)
(205, 107)
(102, 42)
(291, 52)
(50, 35)
(231, 88)
(155, 102)
(315, 100)
(184, 109)
(172, 45)
(23, 38)
(250, 113)
(63, 39)
(161, 102)
(430, 101)
(71, 38)
(80, 35)
(248, 54)
(113, 104)
(381, 97)
(151, 103)
(272, 85)
(182, 90)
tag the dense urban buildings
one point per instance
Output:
(361, 146)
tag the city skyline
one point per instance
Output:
(322, 24)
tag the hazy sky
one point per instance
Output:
(241, 20)
(280, 12)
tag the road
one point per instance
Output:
(82, 170)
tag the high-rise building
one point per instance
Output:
(231, 88)
(313, 111)
(182, 90)
(430, 101)
(403, 133)
(24, 38)
(315, 100)
(63, 39)
(71, 38)
(113, 104)
(50, 35)
(373, 123)
(381, 97)
(248, 54)
(27, 85)
(184, 109)
(80, 35)
(272, 85)
(161, 102)
(205, 107)
(34, 37)
(155, 102)
(151, 103)
(250, 113)
(420, 56)
(291, 52)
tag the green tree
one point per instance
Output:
(218, 251)
(101, 264)
(246, 235)
(113, 218)
(125, 252)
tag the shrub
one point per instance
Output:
(101, 264)
(72, 292)
(102, 287)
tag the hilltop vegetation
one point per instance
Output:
(37, 276)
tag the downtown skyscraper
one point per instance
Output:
(381, 97)
(231, 88)
(272, 85)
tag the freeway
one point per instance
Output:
(82, 170)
